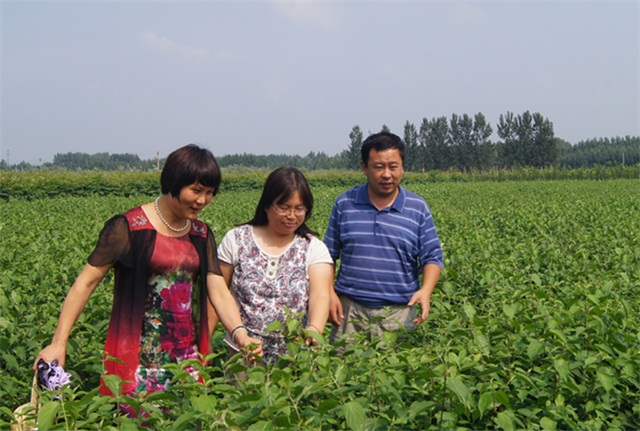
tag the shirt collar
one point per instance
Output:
(362, 198)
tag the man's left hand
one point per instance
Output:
(423, 298)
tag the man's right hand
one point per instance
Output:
(336, 314)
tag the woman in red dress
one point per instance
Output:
(166, 272)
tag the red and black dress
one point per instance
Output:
(159, 310)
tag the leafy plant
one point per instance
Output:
(533, 325)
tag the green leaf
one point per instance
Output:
(459, 388)
(249, 397)
(469, 310)
(607, 382)
(536, 279)
(534, 349)
(486, 402)
(113, 383)
(128, 424)
(355, 415)
(203, 403)
(293, 325)
(160, 396)
(562, 367)
(247, 415)
(316, 336)
(7, 412)
(505, 421)
(418, 407)
(482, 341)
(503, 398)
(510, 310)
(12, 362)
(261, 426)
(327, 405)
(47, 414)
(183, 421)
(595, 298)
(274, 326)
(548, 424)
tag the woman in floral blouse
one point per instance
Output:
(166, 272)
(275, 262)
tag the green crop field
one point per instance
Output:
(534, 323)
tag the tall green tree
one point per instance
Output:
(433, 138)
(354, 154)
(544, 151)
(461, 141)
(485, 150)
(524, 132)
(528, 140)
(426, 151)
(508, 149)
(412, 149)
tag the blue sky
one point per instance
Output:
(292, 77)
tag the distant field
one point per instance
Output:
(534, 323)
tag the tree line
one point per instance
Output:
(461, 143)
(603, 151)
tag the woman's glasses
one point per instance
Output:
(286, 209)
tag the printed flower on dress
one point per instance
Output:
(177, 298)
(295, 299)
(152, 380)
(179, 339)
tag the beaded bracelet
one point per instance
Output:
(235, 331)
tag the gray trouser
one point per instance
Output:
(375, 321)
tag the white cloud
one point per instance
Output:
(164, 44)
(308, 12)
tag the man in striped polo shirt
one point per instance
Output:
(385, 238)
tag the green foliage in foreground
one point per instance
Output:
(533, 325)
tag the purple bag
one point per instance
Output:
(51, 376)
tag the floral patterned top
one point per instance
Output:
(264, 285)
(159, 312)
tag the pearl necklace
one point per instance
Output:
(166, 223)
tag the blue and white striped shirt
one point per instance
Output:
(382, 253)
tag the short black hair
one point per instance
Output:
(188, 165)
(380, 142)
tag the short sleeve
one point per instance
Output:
(228, 248)
(318, 253)
(332, 233)
(114, 243)
(213, 264)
